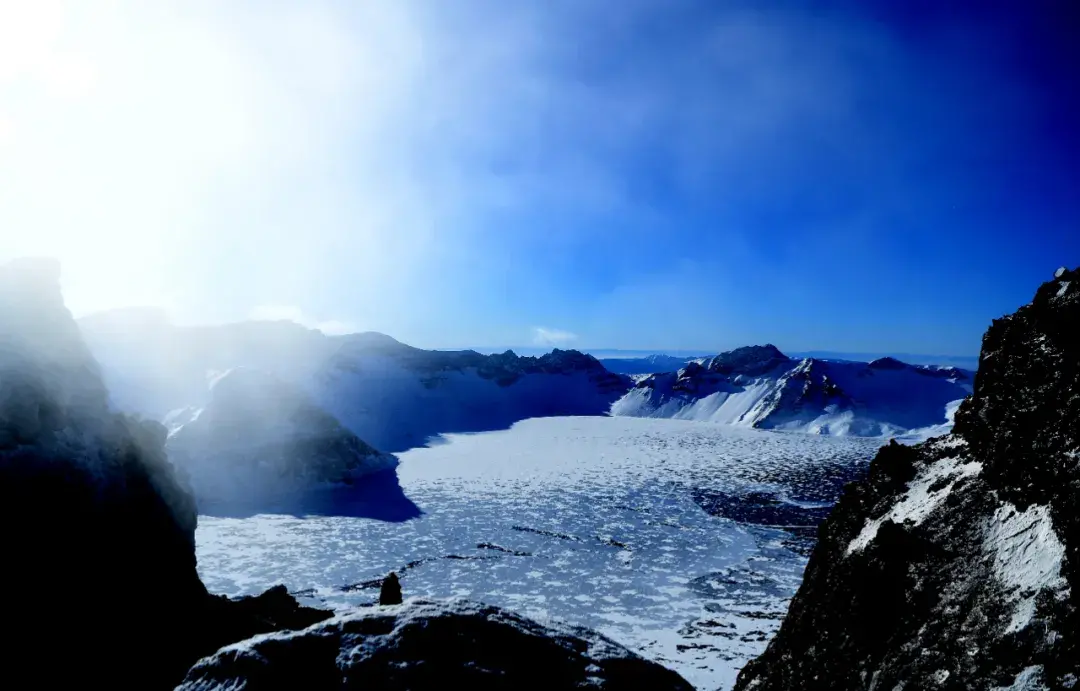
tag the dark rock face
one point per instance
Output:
(425, 645)
(98, 534)
(952, 565)
(886, 363)
(748, 360)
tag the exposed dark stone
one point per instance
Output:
(886, 363)
(423, 645)
(927, 602)
(99, 534)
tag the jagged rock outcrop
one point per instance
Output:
(427, 645)
(954, 563)
(260, 439)
(98, 537)
(758, 386)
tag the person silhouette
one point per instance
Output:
(390, 593)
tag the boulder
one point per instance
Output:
(422, 645)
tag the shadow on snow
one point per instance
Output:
(377, 496)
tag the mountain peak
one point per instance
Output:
(887, 363)
(749, 360)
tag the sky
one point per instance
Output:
(667, 175)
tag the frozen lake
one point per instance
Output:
(597, 521)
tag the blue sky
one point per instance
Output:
(860, 176)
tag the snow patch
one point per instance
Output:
(919, 501)
(1064, 288)
(1029, 679)
(1027, 557)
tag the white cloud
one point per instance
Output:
(552, 337)
(330, 327)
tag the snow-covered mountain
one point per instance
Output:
(389, 394)
(396, 397)
(260, 438)
(954, 564)
(759, 386)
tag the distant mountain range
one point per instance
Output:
(759, 386)
(642, 361)
(393, 396)
(389, 394)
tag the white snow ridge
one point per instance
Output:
(1027, 556)
(919, 501)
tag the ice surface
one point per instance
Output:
(587, 520)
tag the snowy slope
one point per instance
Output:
(259, 438)
(758, 386)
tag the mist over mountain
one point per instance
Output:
(394, 396)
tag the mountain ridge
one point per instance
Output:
(395, 396)
(759, 386)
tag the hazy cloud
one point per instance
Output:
(330, 327)
(552, 337)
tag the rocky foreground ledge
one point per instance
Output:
(954, 564)
(430, 645)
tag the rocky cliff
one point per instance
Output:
(952, 565)
(98, 536)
